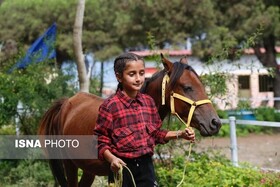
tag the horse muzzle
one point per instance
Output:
(210, 129)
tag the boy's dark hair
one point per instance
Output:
(120, 63)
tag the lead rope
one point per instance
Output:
(185, 167)
(191, 112)
(187, 126)
(193, 104)
(118, 177)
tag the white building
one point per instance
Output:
(248, 79)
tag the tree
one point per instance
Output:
(112, 26)
(99, 36)
(36, 87)
(244, 17)
(29, 18)
(77, 45)
(216, 28)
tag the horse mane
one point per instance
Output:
(147, 81)
(177, 71)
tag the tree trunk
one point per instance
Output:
(276, 89)
(101, 78)
(78, 51)
(268, 59)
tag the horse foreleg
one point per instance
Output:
(71, 171)
(86, 180)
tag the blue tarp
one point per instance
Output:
(242, 114)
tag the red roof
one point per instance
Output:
(251, 51)
(169, 52)
(186, 52)
(149, 71)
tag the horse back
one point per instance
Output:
(80, 113)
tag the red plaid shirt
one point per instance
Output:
(128, 127)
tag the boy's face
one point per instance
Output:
(133, 77)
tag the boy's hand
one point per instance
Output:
(116, 164)
(188, 134)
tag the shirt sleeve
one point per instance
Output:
(102, 130)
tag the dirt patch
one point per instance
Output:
(258, 150)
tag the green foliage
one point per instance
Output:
(267, 114)
(30, 18)
(7, 130)
(216, 82)
(36, 87)
(243, 105)
(26, 173)
(112, 25)
(153, 47)
(203, 170)
(243, 130)
(222, 114)
(261, 114)
(216, 79)
(94, 82)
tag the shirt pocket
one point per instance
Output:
(123, 139)
(151, 130)
(122, 132)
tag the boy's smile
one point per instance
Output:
(132, 78)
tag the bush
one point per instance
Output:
(261, 114)
(26, 173)
(7, 130)
(267, 114)
(36, 87)
(217, 171)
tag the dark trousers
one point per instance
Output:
(143, 172)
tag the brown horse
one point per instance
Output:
(176, 89)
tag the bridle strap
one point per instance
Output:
(193, 104)
(165, 80)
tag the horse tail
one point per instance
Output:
(50, 125)
(58, 172)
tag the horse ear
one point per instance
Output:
(166, 63)
(184, 60)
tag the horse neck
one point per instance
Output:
(163, 111)
(154, 89)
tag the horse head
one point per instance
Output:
(178, 90)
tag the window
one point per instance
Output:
(265, 83)
(244, 82)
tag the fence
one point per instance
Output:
(232, 121)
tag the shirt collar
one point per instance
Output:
(127, 101)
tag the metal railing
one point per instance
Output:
(232, 121)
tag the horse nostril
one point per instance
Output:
(216, 124)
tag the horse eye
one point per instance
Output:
(188, 88)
